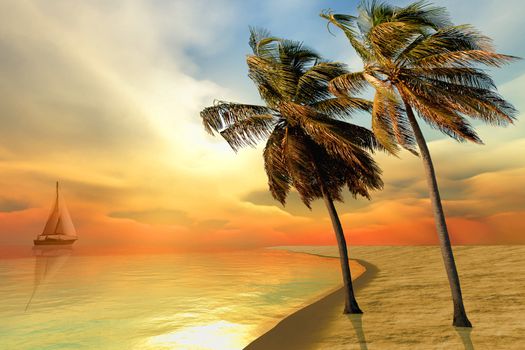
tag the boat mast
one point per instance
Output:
(58, 221)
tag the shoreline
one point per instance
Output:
(407, 303)
(300, 329)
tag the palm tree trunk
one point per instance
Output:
(460, 315)
(351, 306)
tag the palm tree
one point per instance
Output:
(309, 146)
(416, 60)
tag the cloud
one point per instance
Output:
(8, 205)
(169, 217)
(105, 96)
(155, 216)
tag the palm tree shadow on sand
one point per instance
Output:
(464, 334)
(357, 323)
(49, 260)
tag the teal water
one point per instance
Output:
(56, 300)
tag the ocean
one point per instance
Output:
(59, 300)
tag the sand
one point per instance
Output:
(302, 329)
(406, 299)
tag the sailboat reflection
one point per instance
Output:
(48, 261)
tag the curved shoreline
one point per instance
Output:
(300, 329)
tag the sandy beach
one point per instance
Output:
(404, 294)
(301, 329)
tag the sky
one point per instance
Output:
(105, 97)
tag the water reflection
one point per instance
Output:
(464, 334)
(154, 301)
(48, 262)
(357, 323)
(219, 335)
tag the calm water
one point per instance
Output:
(56, 300)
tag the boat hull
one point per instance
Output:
(51, 241)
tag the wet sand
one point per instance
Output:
(407, 305)
(303, 328)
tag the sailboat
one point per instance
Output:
(59, 229)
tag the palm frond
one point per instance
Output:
(348, 84)
(372, 13)
(382, 123)
(281, 78)
(385, 88)
(465, 58)
(279, 178)
(249, 132)
(466, 76)
(342, 107)
(320, 131)
(224, 114)
(313, 84)
(296, 55)
(256, 34)
(348, 25)
(440, 117)
(262, 43)
(361, 185)
(301, 166)
(390, 125)
(389, 38)
(424, 14)
(480, 103)
(403, 131)
(351, 133)
(335, 174)
(420, 13)
(445, 40)
(315, 170)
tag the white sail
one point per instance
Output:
(65, 225)
(59, 224)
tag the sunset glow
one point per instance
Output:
(105, 98)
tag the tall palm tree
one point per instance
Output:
(309, 146)
(417, 61)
